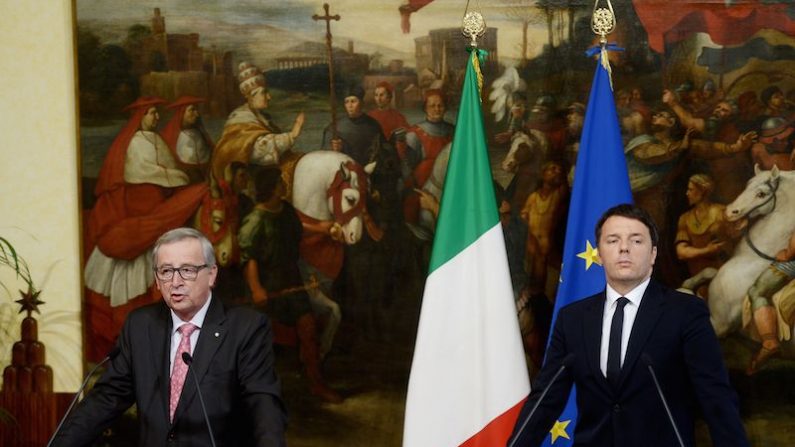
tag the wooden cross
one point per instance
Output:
(332, 100)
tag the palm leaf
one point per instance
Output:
(10, 258)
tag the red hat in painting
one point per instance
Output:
(386, 85)
(186, 101)
(171, 131)
(145, 102)
(111, 175)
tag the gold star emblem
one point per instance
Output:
(591, 255)
(559, 430)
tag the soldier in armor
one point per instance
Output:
(425, 140)
(775, 146)
(770, 281)
(774, 101)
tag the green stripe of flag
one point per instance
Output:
(468, 207)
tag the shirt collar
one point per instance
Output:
(197, 320)
(634, 296)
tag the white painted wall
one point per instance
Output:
(39, 208)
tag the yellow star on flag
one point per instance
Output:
(559, 430)
(591, 255)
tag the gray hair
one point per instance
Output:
(180, 234)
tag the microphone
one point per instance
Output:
(111, 355)
(567, 361)
(647, 360)
(188, 361)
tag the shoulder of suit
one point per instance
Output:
(244, 313)
(584, 303)
(149, 311)
(687, 302)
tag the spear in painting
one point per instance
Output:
(332, 100)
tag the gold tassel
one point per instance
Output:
(606, 64)
(476, 66)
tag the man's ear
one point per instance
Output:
(213, 275)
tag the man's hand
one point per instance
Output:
(745, 141)
(336, 232)
(329, 227)
(259, 295)
(668, 97)
(686, 139)
(428, 202)
(735, 229)
(333, 229)
(714, 247)
(298, 125)
(336, 144)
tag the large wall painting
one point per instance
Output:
(225, 116)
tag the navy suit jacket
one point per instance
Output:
(671, 329)
(233, 361)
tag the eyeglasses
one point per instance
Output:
(186, 272)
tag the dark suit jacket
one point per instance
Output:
(233, 362)
(674, 331)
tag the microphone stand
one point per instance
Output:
(647, 360)
(112, 355)
(188, 361)
(563, 366)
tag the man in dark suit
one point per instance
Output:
(232, 360)
(608, 342)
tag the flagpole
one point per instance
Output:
(468, 377)
(601, 181)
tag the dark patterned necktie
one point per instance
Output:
(614, 348)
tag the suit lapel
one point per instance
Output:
(651, 308)
(211, 336)
(160, 335)
(592, 332)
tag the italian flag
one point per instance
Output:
(468, 377)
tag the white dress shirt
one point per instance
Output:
(176, 337)
(630, 312)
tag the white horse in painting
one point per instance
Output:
(326, 186)
(528, 152)
(523, 159)
(433, 186)
(329, 185)
(769, 197)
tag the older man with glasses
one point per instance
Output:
(232, 362)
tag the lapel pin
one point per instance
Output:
(217, 335)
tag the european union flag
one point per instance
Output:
(600, 182)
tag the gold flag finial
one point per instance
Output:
(473, 26)
(603, 22)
